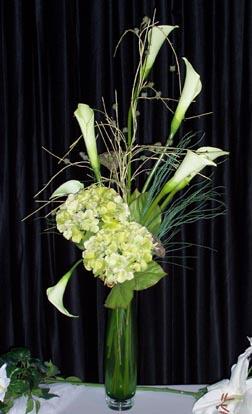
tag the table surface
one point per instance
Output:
(80, 399)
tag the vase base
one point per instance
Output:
(119, 405)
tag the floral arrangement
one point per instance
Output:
(135, 189)
(22, 375)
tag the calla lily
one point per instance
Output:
(156, 37)
(211, 152)
(4, 382)
(229, 396)
(191, 89)
(55, 293)
(69, 187)
(85, 118)
(191, 165)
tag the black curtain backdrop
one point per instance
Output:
(194, 323)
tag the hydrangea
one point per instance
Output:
(115, 253)
(86, 212)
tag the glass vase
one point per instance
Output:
(120, 358)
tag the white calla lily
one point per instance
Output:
(4, 382)
(55, 293)
(69, 187)
(211, 152)
(191, 165)
(229, 396)
(85, 118)
(156, 37)
(192, 87)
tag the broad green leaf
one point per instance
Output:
(18, 387)
(37, 391)
(137, 207)
(72, 379)
(69, 187)
(37, 406)
(136, 193)
(6, 406)
(55, 293)
(29, 405)
(154, 221)
(17, 355)
(149, 277)
(120, 295)
(52, 370)
(138, 213)
(47, 395)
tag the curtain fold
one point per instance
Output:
(194, 323)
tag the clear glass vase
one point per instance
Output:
(120, 358)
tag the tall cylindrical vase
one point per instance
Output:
(120, 358)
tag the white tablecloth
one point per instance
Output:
(80, 399)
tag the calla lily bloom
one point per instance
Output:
(191, 89)
(191, 165)
(4, 382)
(211, 152)
(55, 293)
(85, 118)
(156, 37)
(229, 396)
(69, 187)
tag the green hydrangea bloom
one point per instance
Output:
(90, 210)
(114, 254)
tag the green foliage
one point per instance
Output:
(139, 212)
(74, 380)
(122, 293)
(26, 374)
(148, 278)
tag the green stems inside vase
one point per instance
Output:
(120, 358)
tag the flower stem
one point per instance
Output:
(139, 387)
(147, 182)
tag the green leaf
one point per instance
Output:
(149, 277)
(45, 393)
(120, 295)
(37, 391)
(18, 387)
(6, 406)
(34, 376)
(49, 396)
(138, 213)
(52, 370)
(154, 221)
(37, 406)
(74, 379)
(17, 355)
(136, 193)
(29, 405)
(137, 207)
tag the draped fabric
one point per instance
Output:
(55, 54)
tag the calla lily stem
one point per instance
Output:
(139, 387)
